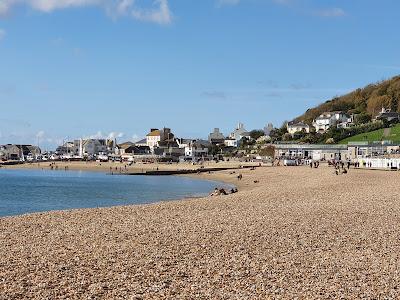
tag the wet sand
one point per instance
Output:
(298, 232)
(124, 167)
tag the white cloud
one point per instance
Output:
(161, 14)
(158, 13)
(114, 135)
(97, 135)
(2, 33)
(101, 135)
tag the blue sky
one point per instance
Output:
(80, 68)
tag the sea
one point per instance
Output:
(29, 191)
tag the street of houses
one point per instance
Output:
(159, 144)
(162, 145)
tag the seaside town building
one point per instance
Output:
(354, 150)
(18, 152)
(183, 143)
(142, 142)
(124, 148)
(239, 132)
(157, 136)
(197, 149)
(311, 151)
(328, 119)
(294, 127)
(268, 128)
(129, 149)
(86, 148)
(216, 137)
(388, 115)
(229, 142)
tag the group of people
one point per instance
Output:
(340, 167)
(53, 166)
(121, 169)
(314, 164)
(221, 191)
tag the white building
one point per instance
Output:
(196, 149)
(183, 143)
(158, 135)
(87, 147)
(231, 142)
(239, 133)
(328, 119)
(294, 127)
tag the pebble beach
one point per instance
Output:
(289, 233)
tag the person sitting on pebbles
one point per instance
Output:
(218, 192)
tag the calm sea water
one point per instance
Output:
(27, 191)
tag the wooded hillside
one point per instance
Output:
(368, 100)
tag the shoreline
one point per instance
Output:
(219, 177)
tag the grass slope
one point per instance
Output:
(376, 135)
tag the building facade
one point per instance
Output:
(295, 127)
(239, 132)
(329, 119)
(157, 136)
(216, 137)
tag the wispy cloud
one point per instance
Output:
(297, 5)
(158, 12)
(300, 86)
(227, 2)
(76, 51)
(214, 95)
(41, 134)
(330, 12)
(2, 34)
(161, 14)
(283, 2)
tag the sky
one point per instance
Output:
(116, 68)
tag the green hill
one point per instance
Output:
(368, 101)
(388, 134)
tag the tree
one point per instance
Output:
(287, 137)
(375, 104)
(255, 134)
(362, 118)
(215, 150)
